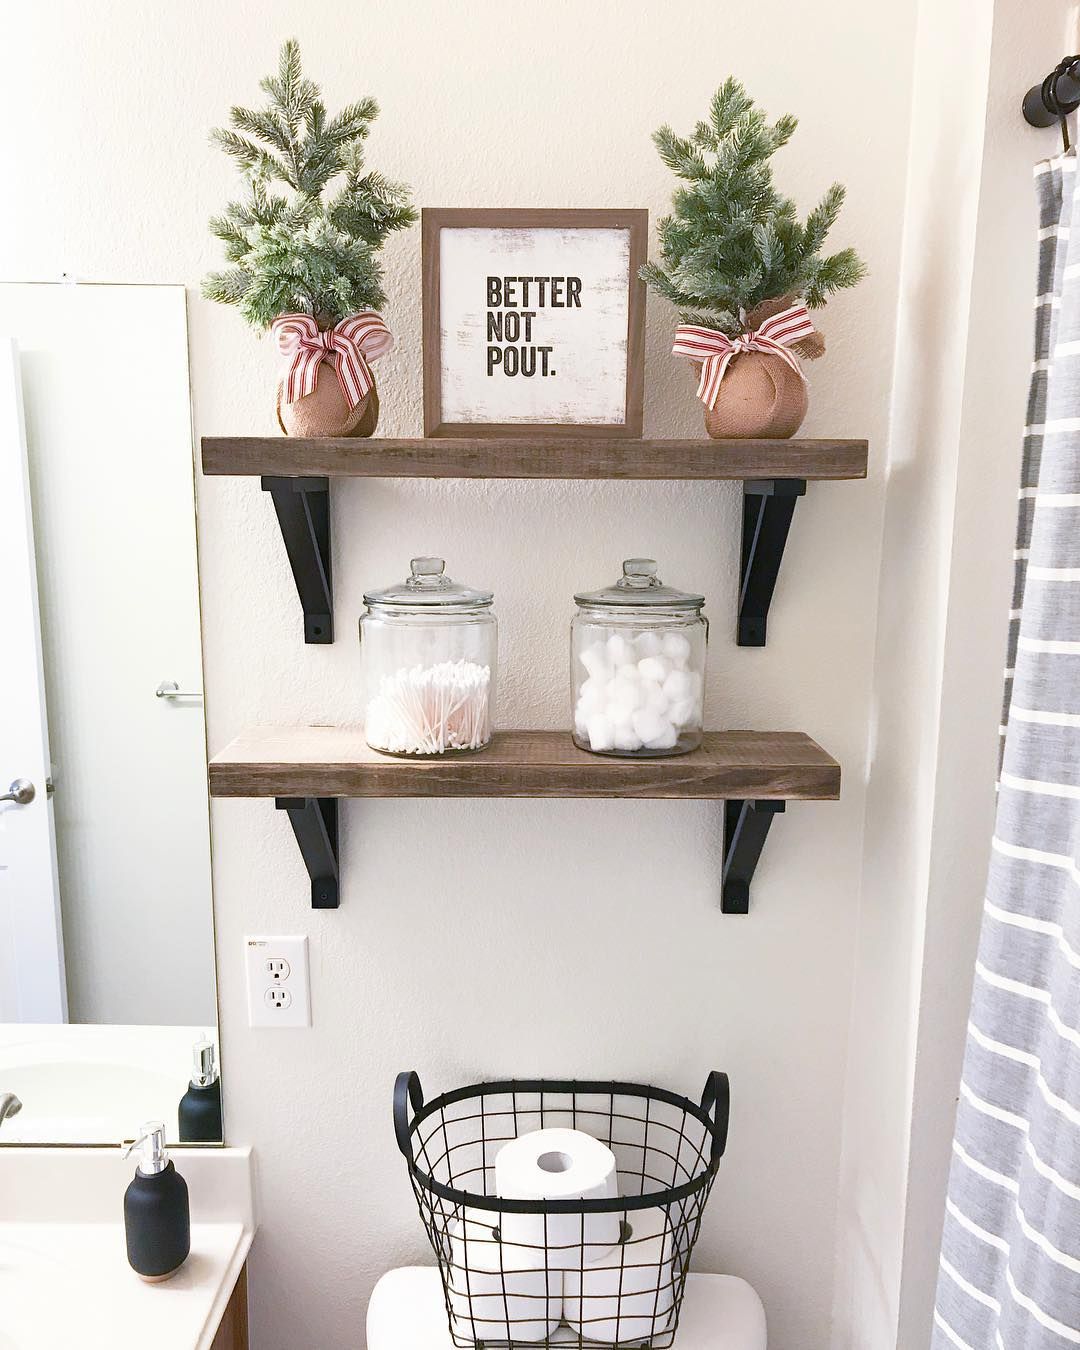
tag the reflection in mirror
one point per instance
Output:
(107, 999)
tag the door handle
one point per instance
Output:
(170, 689)
(21, 792)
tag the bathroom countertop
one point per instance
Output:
(64, 1276)
(65, 1285)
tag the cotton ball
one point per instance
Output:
(683, 712)
(655, 698)
(627, 702)
(595, 660)
(649, 725)
(581, 722)
(665, 741)
(621, 651)
(678, 686)
(653, 668)
(592, 692)
(601, 732)
(647, 644)
(676, 648)
(628, 691)
(626, 738)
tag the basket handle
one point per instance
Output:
(716, 1101)
(406, 1089)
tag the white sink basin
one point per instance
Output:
(64, 1277)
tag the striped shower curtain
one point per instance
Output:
(1010, 1259)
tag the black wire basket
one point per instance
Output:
(593, 1272)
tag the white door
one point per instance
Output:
(32, 985)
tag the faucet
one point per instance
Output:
(9, 1105)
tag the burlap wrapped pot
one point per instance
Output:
(760, 394)
(325, 411)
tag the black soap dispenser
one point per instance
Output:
(199, 1114)
(157, 1218)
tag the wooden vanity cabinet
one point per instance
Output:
(232, 1334)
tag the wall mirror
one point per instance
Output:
(106, 919)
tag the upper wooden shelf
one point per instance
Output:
(301, 762)
(548, 457)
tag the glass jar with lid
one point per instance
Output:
(637, 657)
(428, 651)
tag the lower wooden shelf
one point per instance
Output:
(336, 762)
(306, 769)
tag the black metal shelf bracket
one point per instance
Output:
(303, 512)
(315, 823)
(746, 824)
(768, 505)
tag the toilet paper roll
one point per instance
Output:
(628, 1295)
(499, 1291)
(559, 1164)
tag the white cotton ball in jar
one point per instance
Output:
(595, 659)
(593, 694)
(620, 651)
(650, 726)
(628, 693)
(600, 732)
(626, 738)
(684, 712)
(676, 647)
(647, 644)
(666, 740)
(654, 668)
(655, 698)
(678, 685)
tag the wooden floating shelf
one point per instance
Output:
(337, 762)
(306, 769)
(297, 473)
(551, 457)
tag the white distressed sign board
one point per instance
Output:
(533, 325)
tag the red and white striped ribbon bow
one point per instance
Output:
(350, 345)
(716, 351)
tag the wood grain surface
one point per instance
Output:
(337, 762)
(564, 456)
(232, 1333)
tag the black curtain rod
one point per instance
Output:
(1057, 96)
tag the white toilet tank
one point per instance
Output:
(408, 1312)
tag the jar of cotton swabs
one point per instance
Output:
(637, 659)
(428, 651)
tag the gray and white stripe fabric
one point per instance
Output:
(1010, 1256)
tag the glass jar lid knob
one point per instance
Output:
(638, 574)
(427, 567)
(427, 573)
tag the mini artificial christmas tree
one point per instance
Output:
(303, 247)
(742, 269)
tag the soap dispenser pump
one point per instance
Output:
(157, 1216)
(199, 1113)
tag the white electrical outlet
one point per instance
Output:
(277, 982)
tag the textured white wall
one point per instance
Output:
(964, 348)
(921, 473)
(480, 938)
(999, 350)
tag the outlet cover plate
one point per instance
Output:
(278, 987)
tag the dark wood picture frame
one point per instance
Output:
(435, 219)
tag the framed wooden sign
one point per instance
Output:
(534, 322)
